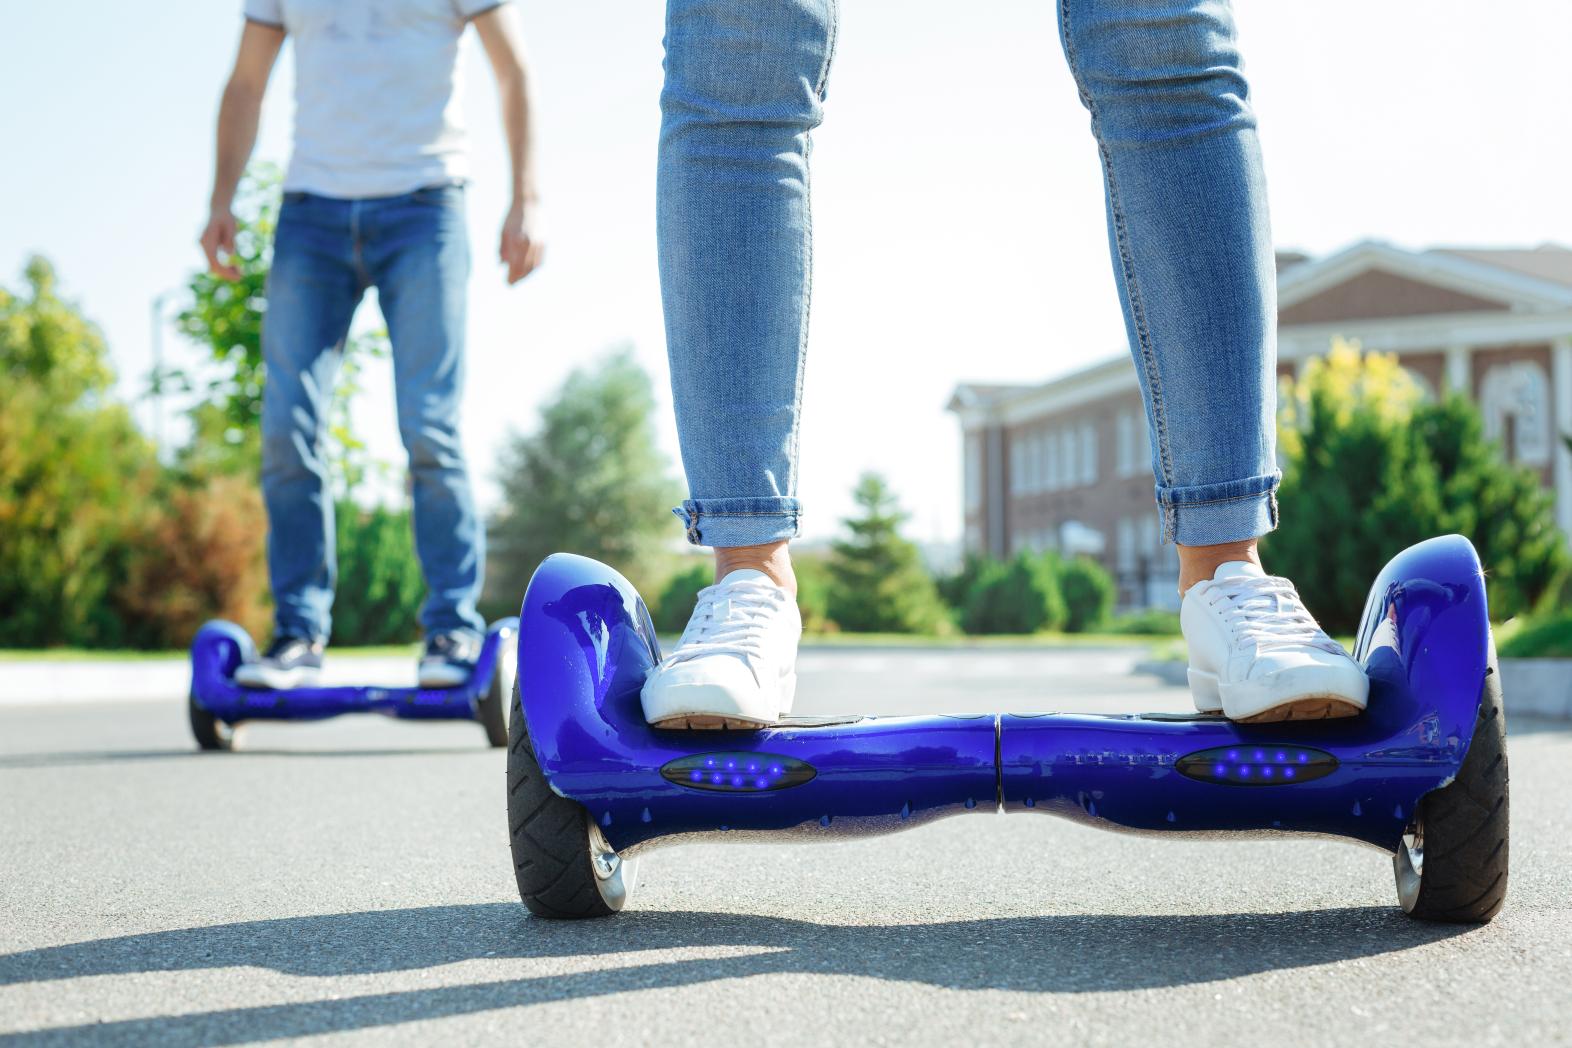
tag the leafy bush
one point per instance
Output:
(677, 598)
(877, 580)
(1018, 596)
(380, 589)
(198, 556)
(1089, 593)
(956, 588)
(1147, 621)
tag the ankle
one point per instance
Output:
(772, 558)
(1197, 563)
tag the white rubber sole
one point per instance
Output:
(1203, 689)
(445, 677)
(697, 707)
(1307, 693)
(278, 680)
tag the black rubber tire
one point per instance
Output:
(550, 837)
(211, 733)
(1464, 870)
(492, 709)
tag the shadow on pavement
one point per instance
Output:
(1056, 953)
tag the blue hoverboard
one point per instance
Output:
(1421, 774)
(218, 705)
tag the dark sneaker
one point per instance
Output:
(449, 659)
(289, 662)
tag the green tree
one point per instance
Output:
(75, 473)
(877, 579)
(1355, 489)
(1369, 470)
(1089, 593)
(590, 480)
(1503, 509)
(225, 316)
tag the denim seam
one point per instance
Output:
(795, 444)
(1171, 504)
(356, 244)
(1137, 308)
(712, 513)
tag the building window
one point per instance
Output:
(1050, 462)
(1033, 462)
(973, 471)
(1068, 458)
(1515, 400)
(1125, 553)
(1088, 453)
(1017, 464)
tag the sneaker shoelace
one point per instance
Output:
(1268, 612)
(731, 619)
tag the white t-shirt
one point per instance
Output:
(378, 93)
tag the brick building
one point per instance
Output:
(1064, 465)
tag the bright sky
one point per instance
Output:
(958, 212)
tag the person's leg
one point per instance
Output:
(1192, 251)
(312, 291)
(745, 83)
(416, 251)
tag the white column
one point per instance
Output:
(1561, 397)
(1457, 376)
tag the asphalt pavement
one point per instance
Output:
(351, 880)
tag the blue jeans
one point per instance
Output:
(1187, 227)
(414, 250)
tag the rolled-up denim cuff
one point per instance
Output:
(1209, 514)
(740, 522)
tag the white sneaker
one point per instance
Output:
(735, 666)
(1257, 655)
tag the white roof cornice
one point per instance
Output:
(1463, 275)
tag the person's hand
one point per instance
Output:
(219, 236)
(521, 249)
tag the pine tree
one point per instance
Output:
(877, 580)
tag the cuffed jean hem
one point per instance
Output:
(1215, 513)
(739, 522)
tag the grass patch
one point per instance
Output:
(1540, 637)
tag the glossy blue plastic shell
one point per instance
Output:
(587, 643)
(220, 647)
